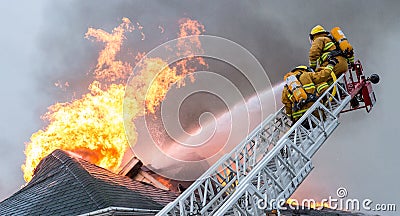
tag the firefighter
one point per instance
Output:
(313, 83)
(322, 48)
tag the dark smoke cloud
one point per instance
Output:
(276, 33)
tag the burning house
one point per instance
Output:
(73, 165)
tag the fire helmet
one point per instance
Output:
(318, 29)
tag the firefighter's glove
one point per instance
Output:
(297, 106)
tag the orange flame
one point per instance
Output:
(92, 126)
(175, 75)
(107, 67)
(163, 181)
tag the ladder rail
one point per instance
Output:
(322, 130)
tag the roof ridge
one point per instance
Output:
(75, 176)
(34, 181)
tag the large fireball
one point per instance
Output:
(92, 125)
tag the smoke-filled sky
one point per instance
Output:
(43, 41)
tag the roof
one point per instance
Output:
(65, 184)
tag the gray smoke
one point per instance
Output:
(361, 155)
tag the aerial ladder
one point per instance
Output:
(275, 158)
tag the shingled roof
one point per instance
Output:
(65, 184)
